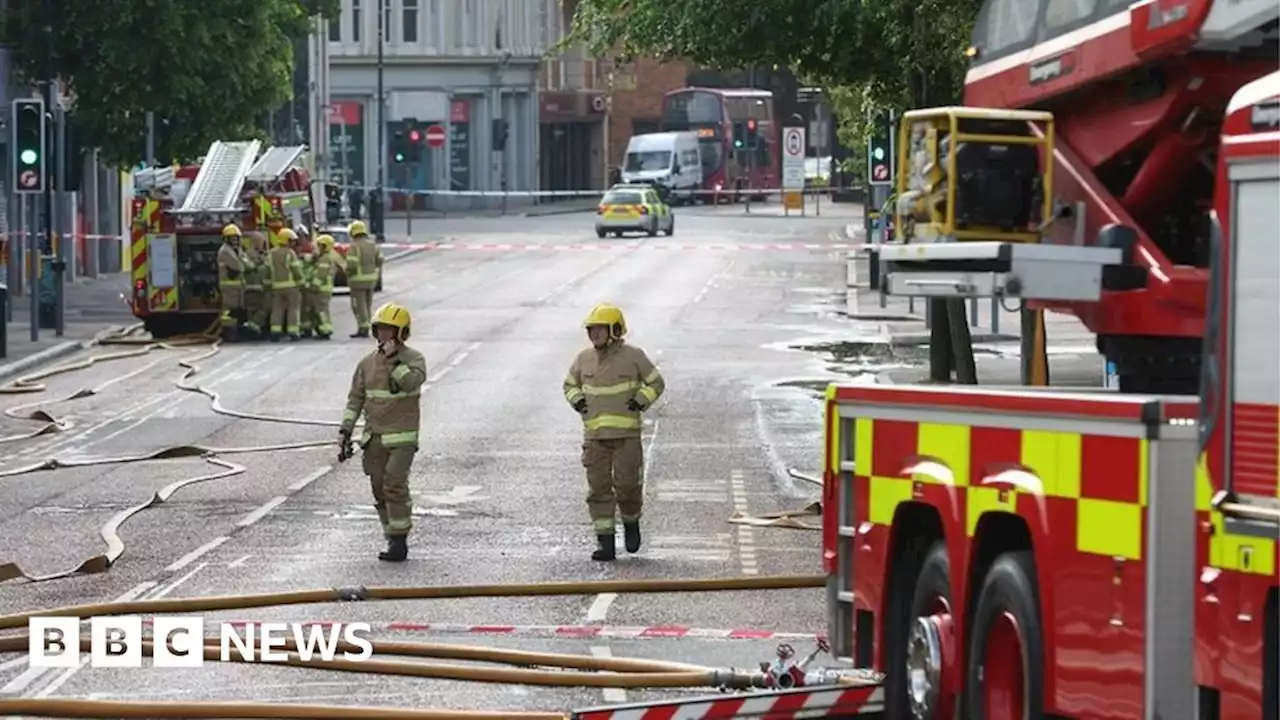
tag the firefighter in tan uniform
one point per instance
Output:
(610, 384)
(364, 263)
(283, 271)
(255, 301)
(231, 267)
(386, 388)
(320, 286)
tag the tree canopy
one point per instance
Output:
(866, 53)
(207, 70)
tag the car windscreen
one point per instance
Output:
(623, 197)
(648, 161)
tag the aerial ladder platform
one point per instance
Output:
(275, 162)
(222, 176)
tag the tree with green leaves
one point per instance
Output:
(866, 53)
(207, 70)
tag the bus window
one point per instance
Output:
(1005, 26)
(1065, 15)
(693, 108)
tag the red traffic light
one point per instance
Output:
(415, 135)
(751, 124)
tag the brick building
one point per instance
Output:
(636, 101)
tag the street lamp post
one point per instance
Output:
(378, 209)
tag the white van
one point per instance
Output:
(670, 159)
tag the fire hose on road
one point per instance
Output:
(592, 671)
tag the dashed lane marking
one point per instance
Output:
(611, 695)
(746, 538)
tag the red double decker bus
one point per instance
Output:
(713, 113)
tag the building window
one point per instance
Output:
(355, 21)
(335, 29)
(386, 20)
(409, 32)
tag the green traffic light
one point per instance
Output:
(29, 157)
(879, 153)
(399, 157)
(737, 143)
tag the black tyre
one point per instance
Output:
(924, 576)
(1005, 675)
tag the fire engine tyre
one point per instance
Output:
(925, 577)
(1005, 677)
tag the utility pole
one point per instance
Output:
(47, 250)
(378, 213)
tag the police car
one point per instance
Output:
(633, 208)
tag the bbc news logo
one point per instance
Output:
(56, 642)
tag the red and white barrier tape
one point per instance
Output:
(831, 702)
(521, 247)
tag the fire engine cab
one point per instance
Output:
(178, 216)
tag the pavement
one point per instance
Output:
(746, 317)
(91, 305)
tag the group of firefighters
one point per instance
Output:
(273, 288)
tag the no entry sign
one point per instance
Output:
(435, 136)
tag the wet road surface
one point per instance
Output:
(739, 312)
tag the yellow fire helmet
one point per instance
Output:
(357, 228)
(608, 315)
(284, 237)
(231, 230)
(325, 242)
(397, 316)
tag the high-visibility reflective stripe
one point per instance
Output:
(603, 526)
(388, 395)
(652, 377)
(408, 437)
(349, 415)
(1107, 527)
(229, 283)
(282, 284)
(613, 422)
(649, 394)
(574, 394)
(399, 372)
(629, 386)
(399, 524)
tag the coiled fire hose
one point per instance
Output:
(628, 672)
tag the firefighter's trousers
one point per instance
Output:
(362, 305)
(316, 310)
(614, 480)
(388, 471)
(232, 305)
(285, 308)
(257, 314)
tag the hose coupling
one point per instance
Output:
(738, 680)
(352, 594)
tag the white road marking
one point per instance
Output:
(241, 562)
(19, 684)
(600, 607)
(611, 695)
(194, 555)
(746, 538)
(261, 512)
(319, 473)
(166, 590)
(455, 362)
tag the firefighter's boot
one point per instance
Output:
(397, 549)
(631, 533)
(293, 337)
(608, 549)
(307, 333)
(275, 337)
(360, 334)
(229, 334)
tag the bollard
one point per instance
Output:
(873, 270)
(4, 326)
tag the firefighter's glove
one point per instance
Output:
(634, 406)
(345, 449)
(581, 406)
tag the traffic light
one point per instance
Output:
(417, 138)
(29, 144)
(880, 147)
(752, 138)
(500, 132)
(739, 136)
(399, 144)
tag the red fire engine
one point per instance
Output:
(1138, 93)
(178, 216)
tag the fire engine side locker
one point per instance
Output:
(1169, 548)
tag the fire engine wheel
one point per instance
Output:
(1006, 646)
(919, 651)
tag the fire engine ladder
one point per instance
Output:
(152, 180)
(275, 162)
(222, 175)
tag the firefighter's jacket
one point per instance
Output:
(607, 378)
(231, 266)
(387, 390)
(322, 271)
(283, 268)
(254, 269)
(364, 260)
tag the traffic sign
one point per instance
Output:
(435, 136)
(793, 148)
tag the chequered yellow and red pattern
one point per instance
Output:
(146, 220)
